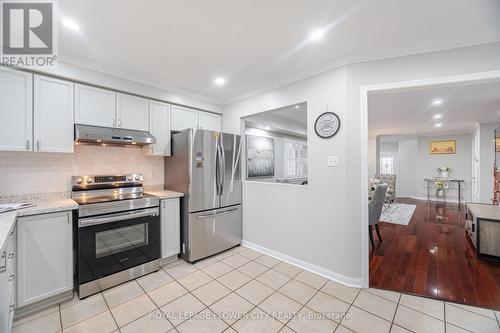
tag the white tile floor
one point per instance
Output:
(242, 290)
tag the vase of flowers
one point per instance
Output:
(440, 190)
(444, 171)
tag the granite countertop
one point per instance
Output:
(484, 211)
(164, 194)
(8, 219)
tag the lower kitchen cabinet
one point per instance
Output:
(8, 283)
(45, 257)
(170, 227)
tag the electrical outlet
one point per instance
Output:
(154, 173)
(333, 161)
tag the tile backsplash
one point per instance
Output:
(28, 172)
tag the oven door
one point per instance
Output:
(111, 243)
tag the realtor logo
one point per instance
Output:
(28, 34)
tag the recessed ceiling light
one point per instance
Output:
(438, 125)
(437, 116)
(297, 106)
(317, 34)
(437, 102)
(70, 24)
(267, 128)
(220, 81)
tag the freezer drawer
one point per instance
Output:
(213, 231)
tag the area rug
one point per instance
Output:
(398, 213)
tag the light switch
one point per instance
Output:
(333, 161)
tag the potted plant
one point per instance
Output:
(444, 171)
(440, 186)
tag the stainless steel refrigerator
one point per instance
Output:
(205, 166)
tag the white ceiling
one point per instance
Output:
(182, 45)
(409, 112)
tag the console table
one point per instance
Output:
(435, 180)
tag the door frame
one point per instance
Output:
(364, 92)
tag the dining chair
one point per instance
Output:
(375, 207)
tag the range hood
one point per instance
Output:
(96, 135)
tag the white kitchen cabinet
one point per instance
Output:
(16, 112)
(159, 126)
(210, 121)
(132, 112)
(95, 106)
(183, 118)
(53, 115)
(8, 283)
(45, 256)
(170, 227)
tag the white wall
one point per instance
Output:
(407, 182)
(304, 222)
(372, 157)
(461, 164)
(321, 223)
(486, 160)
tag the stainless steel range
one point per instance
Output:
(117, 231)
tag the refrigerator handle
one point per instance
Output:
(218, 171)
(223, 166)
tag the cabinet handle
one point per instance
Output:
(11, 255)
(119, 123)
(11, 277)
(28, 144)
(37, 144)
(12, 307)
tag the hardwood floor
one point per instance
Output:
(431, 256)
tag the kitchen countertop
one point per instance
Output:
(164, 194)
(8, 219)
(484, 211)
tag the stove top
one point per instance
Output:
(91, 198)
(107, 188)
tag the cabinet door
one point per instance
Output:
(53, 115)
(183, 118)
(159, 125)
(45, 257)
(94, 106)
(170, 227)
(132, 112)
(16, 110)
(210, 121)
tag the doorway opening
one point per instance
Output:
(431, 151)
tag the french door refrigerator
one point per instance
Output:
(205, 166)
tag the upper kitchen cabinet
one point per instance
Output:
(159, 125)
(209, 121)
(183, 118)
(95, 106)
(16, 126)
(53, 115)
(132, 112)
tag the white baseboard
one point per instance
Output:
(348, 281)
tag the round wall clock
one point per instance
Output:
(327, 125)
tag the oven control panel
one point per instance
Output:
(85, 181)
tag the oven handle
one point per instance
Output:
(85, 222)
